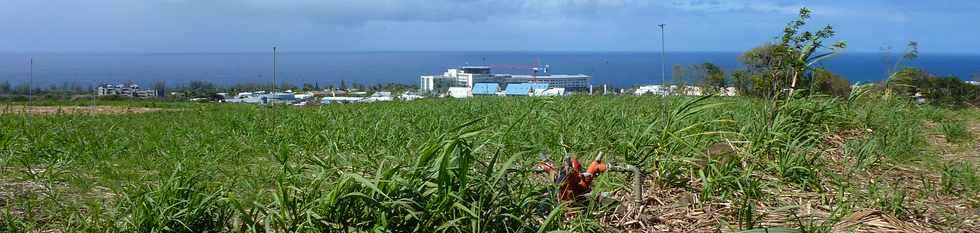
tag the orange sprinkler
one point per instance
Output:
(574, 182)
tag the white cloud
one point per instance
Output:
(782, 7)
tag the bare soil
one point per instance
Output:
(678, 210)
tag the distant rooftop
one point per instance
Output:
(558, 76)
(524, 88)
(485, 88)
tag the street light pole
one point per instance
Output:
(663, 59)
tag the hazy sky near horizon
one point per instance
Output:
(940, 26)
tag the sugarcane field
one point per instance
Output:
(580, 164)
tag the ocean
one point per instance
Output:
(617, 69)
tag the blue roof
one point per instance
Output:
(524, 88)
(485, 88)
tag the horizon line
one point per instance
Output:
(415, 51)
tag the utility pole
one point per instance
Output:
(30, 86)
(275, 72)
(663, 59)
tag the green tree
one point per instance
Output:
(679, 74)
(708, 76)
(788, 64)
(21, 89)
(200, 89)
(827, 82)
(764, 69)
(801, 49)
(907, 81)
(714, 77)
(5, 87)
(160, 87)
(742, 82)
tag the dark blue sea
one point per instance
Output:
(620, 69)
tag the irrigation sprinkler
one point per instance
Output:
(547, 166)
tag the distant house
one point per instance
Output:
(379, 96)
(131, 90)
(262, 98)
(553, 92)
(919, 98)
(409, 96)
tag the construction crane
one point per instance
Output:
(535, 68)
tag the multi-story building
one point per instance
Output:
(456, 77)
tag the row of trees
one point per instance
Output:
(777, 68)
(192, 89)
(205, 89)
(790, 66)
(943, 90)
(53, 90)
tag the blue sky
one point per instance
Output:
(940, 26)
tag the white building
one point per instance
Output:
(456, 77)
(262, 97)
(340, 100)
(460, 92)
(467, 76)
(651, 90)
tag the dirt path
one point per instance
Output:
(20, 109)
